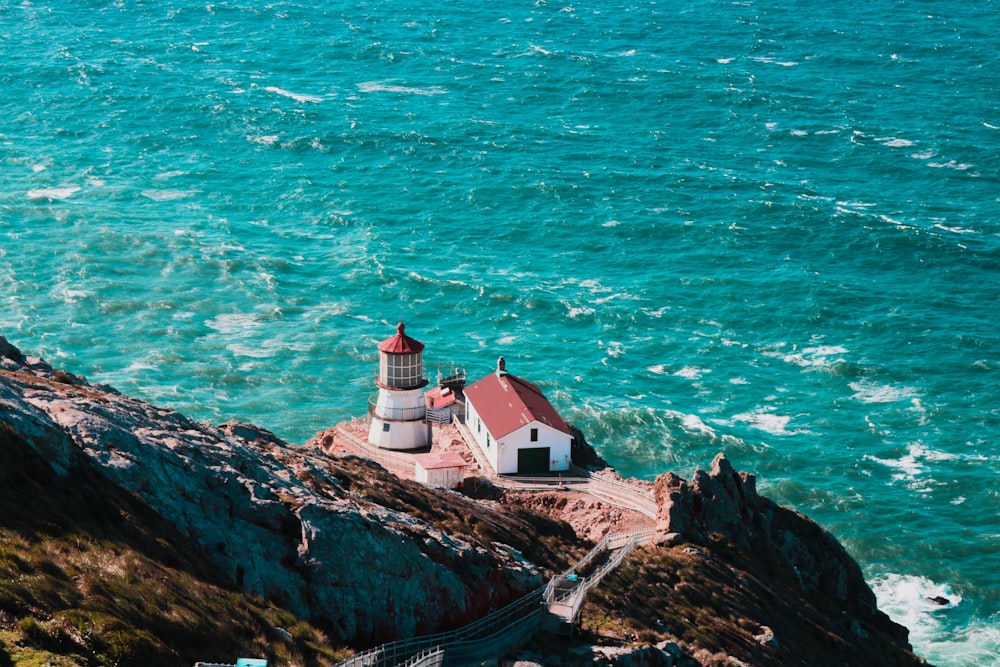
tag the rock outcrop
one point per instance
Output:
(724, 503)
(278, 519)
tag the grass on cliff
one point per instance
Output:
(90, 576)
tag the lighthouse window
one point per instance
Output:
(385, 427)
(534, 435)
(402, 370)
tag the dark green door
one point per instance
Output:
(532, 461)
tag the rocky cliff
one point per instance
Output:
(340, 542)
(368, 557)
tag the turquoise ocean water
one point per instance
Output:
(765, 228)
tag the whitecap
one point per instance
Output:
(266, 140)
(765, 421)
(252, 351)
(690, 372)
(379, 87)
(169, 174)
(907, 467)
(611, 223)
(167, 195)
(507, 340)
(821, 356)
(739, 381)
(786, 63)
(53, 193)
(233, 323)
(298, 97)
(576, 312)
(615, 349)
(799, 133)
(954, 230)
(894, 142)
(950, 164)
(724, 61)
(695, 424)
(658, 369)
(867, 391)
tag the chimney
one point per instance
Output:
(501, 366)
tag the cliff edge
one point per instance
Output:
(366, 557)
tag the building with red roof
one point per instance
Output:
(516, 426)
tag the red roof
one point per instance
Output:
(400, 343)
(505, 403)
(440, 397)
(438, 460)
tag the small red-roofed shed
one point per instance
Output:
(443, 470)
(516, 426)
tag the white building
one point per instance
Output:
(399, 409)
(443, 470)
(516, 426)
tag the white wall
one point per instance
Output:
(478, 430)
(557, 442)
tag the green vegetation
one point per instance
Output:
(90, 576)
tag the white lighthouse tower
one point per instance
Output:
(398, 411)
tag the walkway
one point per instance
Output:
(555, 607)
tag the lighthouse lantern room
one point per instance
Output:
(398, 410)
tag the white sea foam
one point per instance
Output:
(724, 61)
(950, 164)
(298, 97)
(383, 87)
(820, 356)
(894, 142)
(767, 421)
(691, 372)
(233, 323)
(53, 193)
(695, 424)
(580, 311)
(167, 195)
(867, 391)
(925, 608)
(955, 230)
(266, 139)
(169, 174)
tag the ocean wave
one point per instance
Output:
(384, 87)
(769, 422)
(167, 195)
(53, 193)
(926, 608)
(868, 391)
(298, 97)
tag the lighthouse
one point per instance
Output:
(398, 410)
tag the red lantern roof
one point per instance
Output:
(400, 343)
